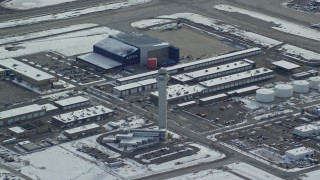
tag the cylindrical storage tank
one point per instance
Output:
(301, 86)
(319, 88)
(152, 63)
(283, 90)
(265, 95)
(314, 82)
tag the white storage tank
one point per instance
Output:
(314, 82)
(301, 86)
(283, 90)
(265, 95)
(319, 88)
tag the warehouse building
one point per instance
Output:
(136, 87)
(84, 130)
(213, 99)
(29, 129)
(94, 113)
(243, 91)
(299, 153)
(28, 73)
(21, 114)
(128, 49)
(72, 102)
(214, 72)
(238, 79)
(192, 65)
(186, 105)
(307, 130)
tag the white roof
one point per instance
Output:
(306, 128)
(172, 68)
(285, 64)
(212, 70)
(71, 101)
(246, 89)
(213, 97)
(82, 114)
(49, 107)
(100, 61)
(20, 111)
(300, 150)
(178, 90)
(235, 77)
(136, 84)
(25, 69)
(17, 129)
(82, 128)
(186, 103)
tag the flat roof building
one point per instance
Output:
(29, 129)
(286, 65)
(80, 116)
(212, 99)
(28, 73)
(88, 129)
(21, 114)
(72, 102)
(136, 87)
(299, 153)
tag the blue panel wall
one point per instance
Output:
(174, 53)
(133, 58)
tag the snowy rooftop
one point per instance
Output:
(25, 69)
(115, 46)
(307, 128)
(82, 114)
(242, 90)
(214, 70)
(71, 101)
(138, 39)
(213, 97)
(186, 103)
(82, 128)
(299, 151)
(235, 77)
(285, 65)
(100, 61)
(49, 107)
(20, 111)
(135, 140)
(189, 64)
(178, 90)
(17, 129)
(136, 84)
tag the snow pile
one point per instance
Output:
(71, 13)
(66, 44)
(280, 25)
(149, 22)
(251, 172)
(213, 23)
(208, 175)
(30, 4)
(299, 53)
(57, 163)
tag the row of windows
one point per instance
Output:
(76, 105)
(216, 75)
(25, 117)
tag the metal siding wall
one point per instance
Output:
(107, 54)
(174, 53)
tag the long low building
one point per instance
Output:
(77, 117)
(28, 73)
(215, 72)
(72, 102)
(88, 129)
(238, 79)
(192, 65)
(136, 87)
(299, 153)
(212, 99)
(21, 114)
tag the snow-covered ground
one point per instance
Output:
(30, 4)
(297, 52)
(214, 23)
(209, 174)
(280, 25)
(251, 172)
(6, 175)
(71, 13)
(313, 175)
(66, 44)
(134, 169)
(57, 163)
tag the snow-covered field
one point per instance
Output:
(209, 174)
(299, 52)
(214, 23)
(66, 44)
(30, 4)
(71, 13)
(314, 175)
(57, 163)
(280, 25)
(251, 172)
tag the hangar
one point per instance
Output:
(127, 49)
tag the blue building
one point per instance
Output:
(128, 49)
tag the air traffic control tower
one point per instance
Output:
(162, 81)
